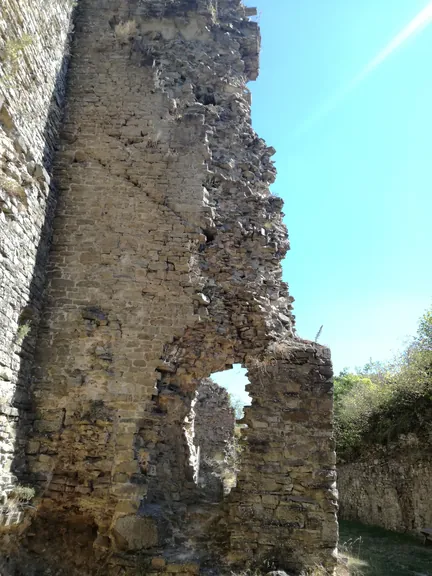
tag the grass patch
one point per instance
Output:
(11, 54)
(373, 551)
(13, 188)
(22, 494)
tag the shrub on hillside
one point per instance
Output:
(382, 401)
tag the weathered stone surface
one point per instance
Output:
(214, 421)
(33, 36)
(164, 268)
(389, 486)
(283, 508)
(134, 533)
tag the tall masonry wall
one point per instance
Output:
(33, 36)
(165, 268)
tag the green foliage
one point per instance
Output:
(22, 332)
(382, 401)
(11, 55)
(14, 48)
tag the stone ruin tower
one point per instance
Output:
(140, 252)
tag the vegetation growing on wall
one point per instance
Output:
(10, 56)
(381, 401)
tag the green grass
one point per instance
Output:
(373, 551)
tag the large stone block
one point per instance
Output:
(135, 533)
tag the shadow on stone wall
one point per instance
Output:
(286, 481)
(23, 403)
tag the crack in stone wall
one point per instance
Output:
(165, 268)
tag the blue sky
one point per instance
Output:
(354, 167)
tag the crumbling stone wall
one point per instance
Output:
(165, 268)
(33, 36)
(214, 424)
(283, 507)
(389, 486)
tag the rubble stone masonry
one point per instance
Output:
(389, 485)
(164, 268)
(33, 62)
(214, 438)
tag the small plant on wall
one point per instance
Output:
(22, 332)
(125, 31)
(10, 57)
(15, 503)
(13, 189)
(24, 324)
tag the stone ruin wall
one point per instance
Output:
(164, 268)
(389, 486)
(33, 36)
(215, 439)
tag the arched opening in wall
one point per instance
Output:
(216, 413)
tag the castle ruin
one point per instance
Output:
(140, 252)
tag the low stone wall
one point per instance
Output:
(389, 486)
